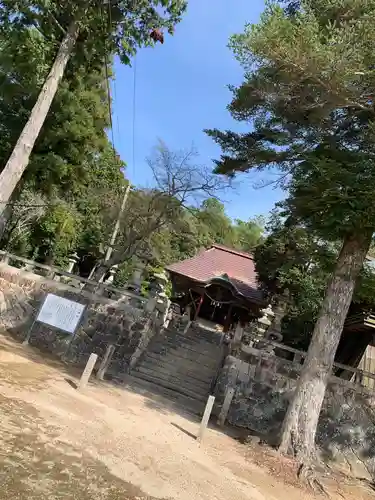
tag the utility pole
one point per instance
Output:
(112, 241)
(117, 225)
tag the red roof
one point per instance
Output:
(219, 260)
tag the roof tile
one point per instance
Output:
(219, 260)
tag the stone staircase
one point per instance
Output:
(184, 364)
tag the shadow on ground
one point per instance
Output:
(155, 397)
(34, 466)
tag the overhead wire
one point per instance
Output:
(134, 111)
(116, 114)
(115, 96)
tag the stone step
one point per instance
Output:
(177, 370)
(186, 352)
(193, 370)
(194, 337)
(202, 338)
(200, 345)
(189, 361)
(169, 385)
(197, 329)
(178, 380)
(197, 363)
(191, 405)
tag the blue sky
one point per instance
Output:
(181, 89)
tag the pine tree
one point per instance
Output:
(308, 95)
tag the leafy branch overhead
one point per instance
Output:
(116, 26)
(85, 32)
(163, 223)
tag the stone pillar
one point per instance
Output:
(150, 305)
(73, 259)
(5, 259)
(261, 327)
(264, 322)
(112, 273)
(162, 302)
(105, 362)
(87, 371)
(185, 321)
(235, 347)
(28, 267)
(137, 277)
(274, 331)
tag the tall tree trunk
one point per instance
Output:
(301, 420)
(19, 158)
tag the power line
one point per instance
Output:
(134, 110)
(127, 190)
(116, 100)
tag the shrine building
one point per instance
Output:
(218, 285)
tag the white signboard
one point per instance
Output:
(60, 313)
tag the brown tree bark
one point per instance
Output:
(19, 158)
(301, 420)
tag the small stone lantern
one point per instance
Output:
(137, 278)
(73, 259)
(112, 273)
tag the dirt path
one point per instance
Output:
(112, 443)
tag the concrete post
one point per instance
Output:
(150, 305)
(206, 417)
(105, 362)
(226, 405)
(187, 326)
(238, 335)
(237, 340)
(87, 371)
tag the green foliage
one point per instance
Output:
(73, 175)
(292, 261)
(55, 234)
(183, 232)
(112, 27)
(248, 234)
(308, 91)
(161, 225)
(308, 95)
(72, 164)
(123, 274)
(149, 274)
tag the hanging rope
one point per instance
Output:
(217, 301)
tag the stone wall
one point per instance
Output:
(104, 321)
(264, 384)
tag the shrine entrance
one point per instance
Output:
(220, 303)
